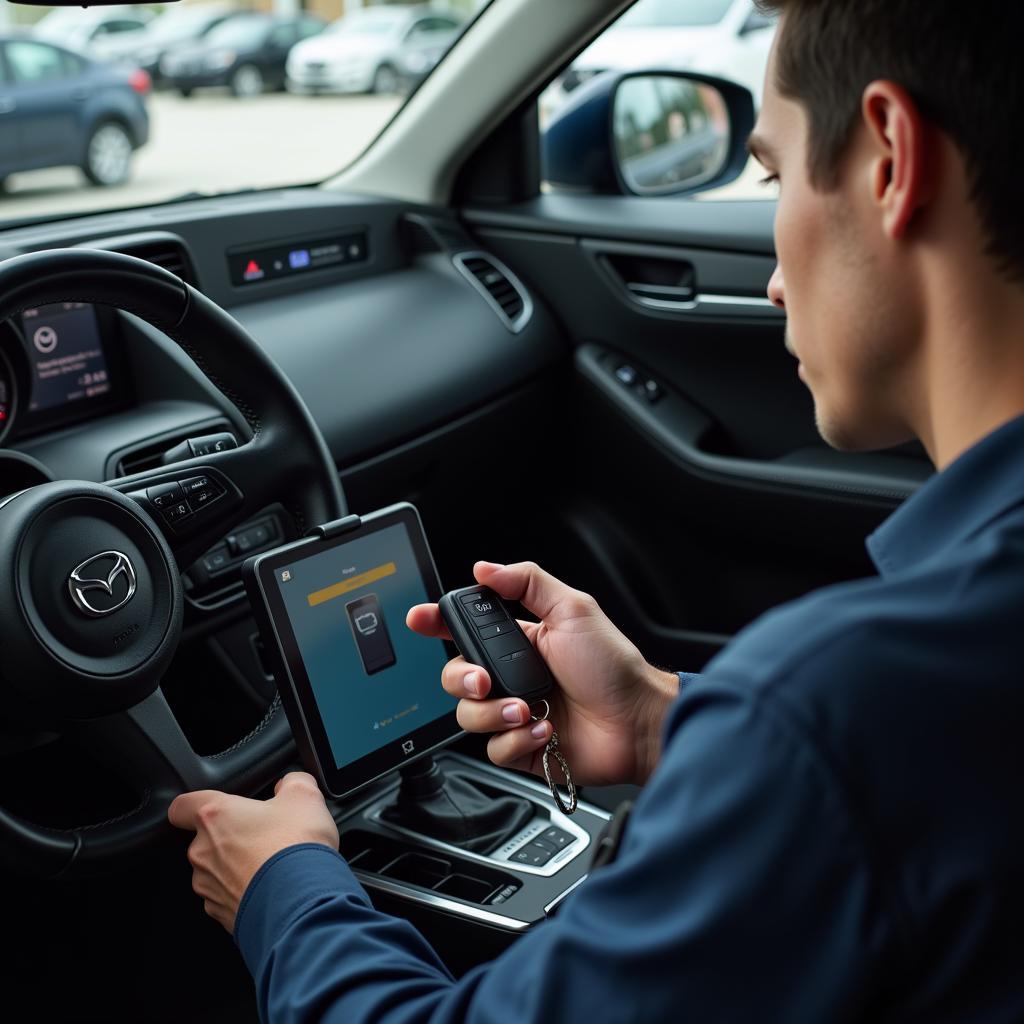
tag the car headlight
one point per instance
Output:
(221, 59)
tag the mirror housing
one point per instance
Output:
(579, 152)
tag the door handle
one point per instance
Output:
(80, 95)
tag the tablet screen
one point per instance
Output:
(370, 688)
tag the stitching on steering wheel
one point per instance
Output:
(146, 795)
(275, 705)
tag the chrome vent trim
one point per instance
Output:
(502, 290)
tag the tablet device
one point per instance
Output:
(362, 691)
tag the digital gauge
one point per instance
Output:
(8, 395)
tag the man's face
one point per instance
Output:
(848, 297)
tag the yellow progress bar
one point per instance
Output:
(353, 583)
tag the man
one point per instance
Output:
(831, 826)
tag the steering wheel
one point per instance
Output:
(90, 588)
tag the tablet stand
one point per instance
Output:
(454, 810)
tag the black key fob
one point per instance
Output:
(487, 635)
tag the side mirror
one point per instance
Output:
(649, 133)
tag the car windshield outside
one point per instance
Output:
(373, 21)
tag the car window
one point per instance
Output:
(322, 100)
(30, 61)
(703, 36)
(283, 35)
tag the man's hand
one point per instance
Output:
(235, 836)
(609, 705)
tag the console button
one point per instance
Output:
(502, 628)
(557, 838)
(164, 495)
(509, 890)
(216, 560)
(534, 856)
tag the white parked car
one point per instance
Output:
(375, 49)
(727, 38)
(103, 33)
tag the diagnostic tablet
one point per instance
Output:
(362, 691)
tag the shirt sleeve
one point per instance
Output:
(742, 892)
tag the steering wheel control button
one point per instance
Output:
(213, 443)
(201, 491)
(165, 495)
(502, 628)
(175, 513)
(195, 447)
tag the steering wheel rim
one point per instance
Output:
(64, 658)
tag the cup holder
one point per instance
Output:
(19, 471)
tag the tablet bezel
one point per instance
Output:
(297, 694)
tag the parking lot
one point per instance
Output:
(213, 142)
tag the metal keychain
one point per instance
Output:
(552, 750)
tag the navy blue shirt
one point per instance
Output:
(835, 830)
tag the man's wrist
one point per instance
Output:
(662, 688)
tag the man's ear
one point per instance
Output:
(900, 180)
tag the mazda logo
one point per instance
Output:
(93, 592)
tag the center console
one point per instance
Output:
(515, 884)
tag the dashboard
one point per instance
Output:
(393, 344)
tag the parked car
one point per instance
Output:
(247, 53)
(58, 107)
(376, 49)
(180, 26)
(103, 33)
(728, 38)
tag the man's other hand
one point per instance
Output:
(236, 835)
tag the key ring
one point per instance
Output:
(552, 749)
(547, 711)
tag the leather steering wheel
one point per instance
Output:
(77, 652)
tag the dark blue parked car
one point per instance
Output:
(58, 107)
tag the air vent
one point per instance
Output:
(163, 248)
(499, 286)
(150, 455)
(168, 255)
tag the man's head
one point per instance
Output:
(891, 126)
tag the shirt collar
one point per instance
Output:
(956, 504)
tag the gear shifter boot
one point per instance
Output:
(452, 809)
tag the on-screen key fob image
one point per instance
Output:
(487, 635)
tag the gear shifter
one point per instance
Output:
(452, 809)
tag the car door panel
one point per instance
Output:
(691, 515)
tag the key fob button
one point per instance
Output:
(502, 628)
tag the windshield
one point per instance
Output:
(690, 13)
(239, 32)
(195, 105)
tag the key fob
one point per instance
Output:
(487, 635)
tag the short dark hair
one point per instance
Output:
(961, 64)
